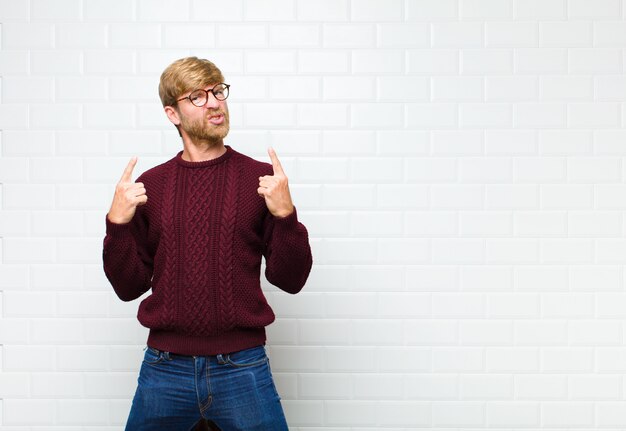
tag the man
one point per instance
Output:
(194, 230)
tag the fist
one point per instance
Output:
(128, 196)
(275, 189)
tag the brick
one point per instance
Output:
(112, 11)
(457, 359)
(269, 10)
(571, 34)
(322, 115)
(573, 360)
(487, 170)
(33, 89)
(567, 414)
(402, 142)
(402, 196)
(14, 117)
(540, 224)
(565, 142)
(487, 278)
(379, 61)
(14, 223)
(404, 305)
(413, 35)
(430, 223)
(114, 115)
(486, 61)
(368, 278)
(594, 332)
(566, 251)
(513, 360)
(485, 115)
(510, 142)
(485, 332)
(61, 10)
(566, 196)
(580, 9)
(135, 35)
(541, 115)
(33, 250)
(14, 63)
(323, 10)
(14, 11)
(407, 251)
(540, 170)
(189, 35)
(538, 387)
(541, 60)
(29, 412)
(513, 306)
(511, 197)
(459, 305)
(431, 332)
(559, 87)
(294, 36)
(594, 224)
(342, 305)
(431, 387)
(327, 62)
(513, 414)
(348, 196)
(378, 386)
(54, 116)
(431, 115)
(610, 414)
(110, 385)
(594, 115)
(240, 35)
(349, 88)
(353, 413)
(433, 62)
(300, 88)
(382, 115)
(461, 89)
(348, 35)
(387, 223)
(540, 333)
(57, 62)
(325, 386)
(351, 359)
(350, 251)
(455, 414)
(377, 10)
(163, 10)
(80, 35)
(540, 9)
(511, 88)
(432, 10)
(218, 11)
(511, 35)
(270, 62)
(27, 35)
(609, 34)
(485, 387)
(457, 35)
(458, 251)
(595, 169)
(596, 60)
(541, 278)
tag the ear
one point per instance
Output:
(172, 114)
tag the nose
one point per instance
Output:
(211, 101)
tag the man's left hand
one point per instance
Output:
(275, 189)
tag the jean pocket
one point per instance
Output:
(247, 358)
(153, 356)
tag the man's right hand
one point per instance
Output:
(128, 196)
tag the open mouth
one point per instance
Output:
(216, 119)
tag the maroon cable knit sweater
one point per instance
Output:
(198, 243)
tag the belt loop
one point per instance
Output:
(166, 356)
(220, 359)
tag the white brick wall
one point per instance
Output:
(460, 165)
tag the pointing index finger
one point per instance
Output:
(128, 172)
(278, 168)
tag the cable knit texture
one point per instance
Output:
(198, 244)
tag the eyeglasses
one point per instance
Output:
(200, 97)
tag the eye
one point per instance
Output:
(197, 96)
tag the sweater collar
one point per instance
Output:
(179, 159)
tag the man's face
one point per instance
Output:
(209, 122)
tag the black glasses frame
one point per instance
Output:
(212, 91)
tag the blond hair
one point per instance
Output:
(187, 74)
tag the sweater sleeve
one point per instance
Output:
(287, 252)
(127, 263)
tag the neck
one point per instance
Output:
(202, 150)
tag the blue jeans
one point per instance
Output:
(236, 391)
